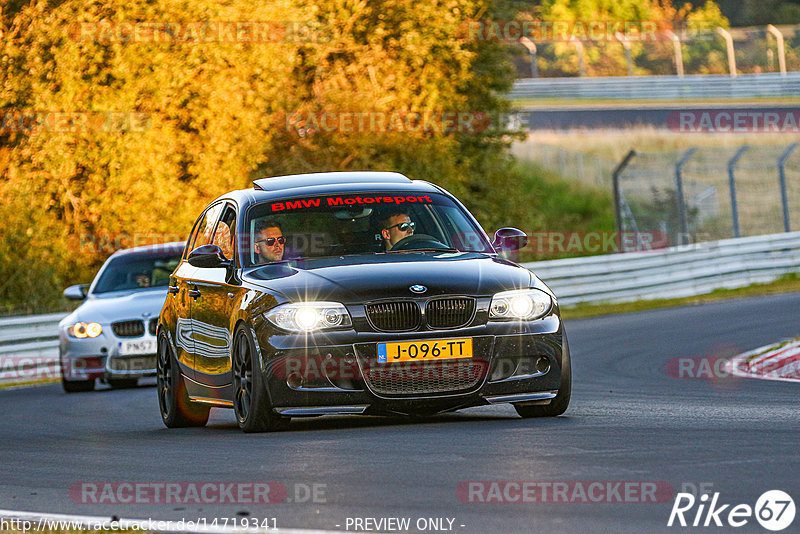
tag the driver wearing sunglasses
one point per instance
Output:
(395, 227)
(269, 242)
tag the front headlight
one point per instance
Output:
(522, 304)
(84, 330)
(309, 316)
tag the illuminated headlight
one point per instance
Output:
(523, 304)
(84, 330)
(309, 316)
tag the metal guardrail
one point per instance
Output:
(29, 347)
(675, 272)
(660, 87)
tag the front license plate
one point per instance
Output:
(430, 349)
(143, 346)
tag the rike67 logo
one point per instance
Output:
(774, 510)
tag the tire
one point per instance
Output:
(73, 386)
(176, 409)
(77, 386)
(122, 383)
(560, 403)
(251, 402)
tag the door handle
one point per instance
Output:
(194, 293)
(172, 290)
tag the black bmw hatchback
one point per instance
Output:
(353, 293)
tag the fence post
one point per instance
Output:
(676, 45)
(626, 46)
(615, 184)
(729, 45)
(781, 49)
(782, 178)
(531, 46)
(579, 52)
(679, 191)
(732, 184)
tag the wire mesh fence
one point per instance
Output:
(703, 51)
(704, 194)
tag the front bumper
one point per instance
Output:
(102, 357)
(320, 375)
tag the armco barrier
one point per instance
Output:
(667, 87)
(29, 347)
(671, 273)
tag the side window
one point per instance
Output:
(205, 227)
(226, 230)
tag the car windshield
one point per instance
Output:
(137, 271)
(357, 223)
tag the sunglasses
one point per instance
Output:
(271, 240)
(403, 227)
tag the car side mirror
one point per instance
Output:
(509, 239)
(76, 292)
(209, 257)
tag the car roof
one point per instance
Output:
(174, 247)
(324, 183)
(294, 181)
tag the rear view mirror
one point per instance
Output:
(76, 292)
(209, 257)
(509, 239)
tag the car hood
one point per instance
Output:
(113, 306)
(351, 279)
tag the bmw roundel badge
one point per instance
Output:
(418, 289)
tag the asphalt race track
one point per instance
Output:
(628, 421)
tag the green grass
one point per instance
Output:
(560, 206)
(786, 284)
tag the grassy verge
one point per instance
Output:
(612, 145)
(785, 284)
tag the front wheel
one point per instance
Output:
(73, 386)
(251, 401)
(560, 403)
(176, 409)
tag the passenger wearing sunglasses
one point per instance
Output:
(395, 227)
(269, 241)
